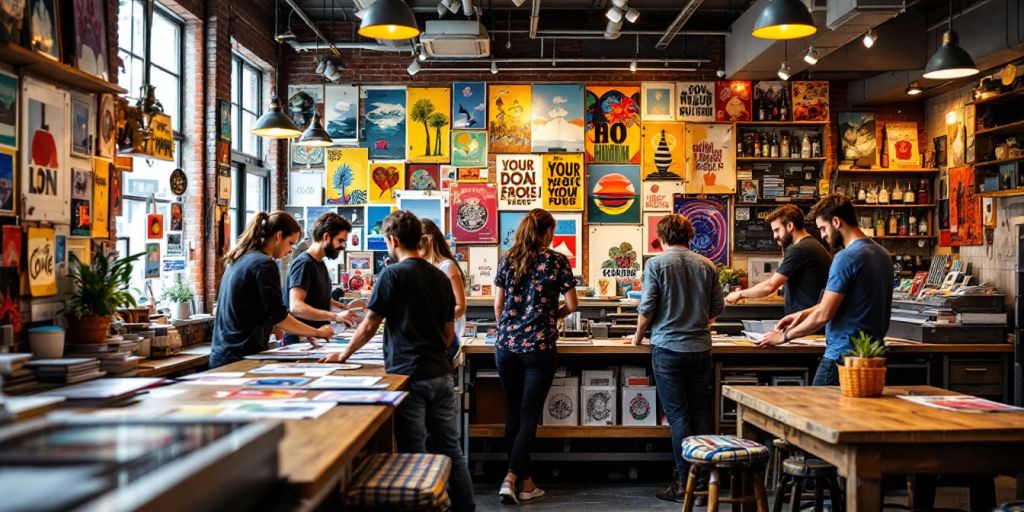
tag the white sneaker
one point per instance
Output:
(507, 494)
(537, 492)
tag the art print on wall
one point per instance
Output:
(81, 125)
(305, 188)
(857, 139)
(658, 100)
(115, 192)
(810, 100)
(469, 105)
(653, 245)
(355, 239)
(422, 177)
(519, 181)
(386, 179)
(508, 223)
(341, 113)
(8, 182)
(662, 151)
(940, 151)
(965, 222)
(384, 122)
(313, 213)
(223, 186)
(177, 217)
(175, 247)
(106, 130)
(696, 102)
(613, 194)
(44, 32)
(375, 216)
(11, 257)
(469, 148)
(224, 154)
(557, 118)
(658, 196)
(424, 205)
(564, 185)
(155, 226)
(90, 26)
(474, 213)
(303, 101)
(42, 265)
(710, 219)
(81, 202)
(152, 261)
(901, 140)
(472, 175)
(12, 21)
(614, 252)
(79, 250)
(45, 136)
(568, 239)
(733, 101)
(612, 125)
(956, 136)
(429, 127)
(346, 180)
(360, 261)
(224, 120)
(101, 198)
(710, 159)
(508, 118)
(8, 109)
(771, 101)
(483, 260)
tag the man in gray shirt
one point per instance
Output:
(681, 299)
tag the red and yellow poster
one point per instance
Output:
(564, 185)
(662, 154)
(385, 179)
(612, 125)
(428, 137)
(101, 197)
(508, 118)
(810, 100)
(42, 273)
(732, 101)
(710, 159)
(964, 207)
(474, 213)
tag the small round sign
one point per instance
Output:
(179, 182)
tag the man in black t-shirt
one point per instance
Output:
(804, 268)
(417, 300)
(307, 293)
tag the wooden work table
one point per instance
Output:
(190, 358)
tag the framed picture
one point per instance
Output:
(223, 187)
(8, 109)
(106, 127)
(44, 157)
(857, 139)
(152, 261)
(115, 192)
(224, 120)
(177, 217)
(658, 101)
(223, 154)
(89, 29)
(360, 261)
(940, 151)
(82, 127)
(341, 113)
(8, 182)
(12, 24)
(44, 31)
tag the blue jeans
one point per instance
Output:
(827, 374)
(684, 381)
(430, 409)
(526, 380)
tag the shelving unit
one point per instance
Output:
(929, 205)
(991, 163)
(1014, 128)
(1019, 192)
(1009, 95)
(891, 170)
(497, 431)
(849, 178)
(760, 159)
(998, 177)
(909, 237)
(35, 63)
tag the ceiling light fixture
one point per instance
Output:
(315, 135)
(632, 15)
(518, 3)
(442, 9)
(274, 124)
(414, 67)
(321, 65)
(950, 60)
(632, 66)
(389, 19)
(914, 88)
(784, 19)
(494, 68)
(361, 13)
(454, 6)
(615, 14)
(784, 72)
(612, 30)
(812, 56)
(870, 38)
(620, 3)
(467, 7)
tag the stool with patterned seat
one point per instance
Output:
(402, 482)
(743, 459)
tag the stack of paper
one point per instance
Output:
(17, 378)
(104, 392)
(66, 370)
(117, 356)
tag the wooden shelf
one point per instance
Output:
(891, 170)
(1003, 96)
(1003, 193)
(860, 205)
(999, 162)
(497, 430)
(1005, 129)
(38, 64)
(909, 237)
(781, 123)
(760, 159)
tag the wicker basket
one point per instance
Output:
(861, 382)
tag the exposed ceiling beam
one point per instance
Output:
(534, 18)
(677, 24)
(312, 26)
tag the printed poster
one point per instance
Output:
(662, 154)
(810, 100)
(964, 208)
(8, 110)
(101, 197)
(613, 125)
(469, 148)
(519, 181)
(474, 212)
(568, 239)
(653, 245)
(508, 117)
(613, 194)
(557, 118)
(106, 130)
(384, 122)
(79, 249)
(732, 101)
(152, 261)
(8, 181)
(12, 247)
(614, 253)
(424, 205)
(386, 178)
(341, 113)
(483, 263)
(305, 188)
(658, 101)
(710, 159)
(428, 127)
(658, 196)
(303, 101)
(42, 267)
(469, 105)
(696, 102)
(422, 177)
(177, 217)
(115, 192)
(710, 218)
(81, 202)
(770, 100)
(155, 226)
(901, 140)
(44, 159)
(564, 185)
(346, 179)
(508, 222)
(857, 139)
(375, 216)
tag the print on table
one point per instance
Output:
(599, 405)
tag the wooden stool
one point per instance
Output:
(781, 450)
(796, 473)
(743, 459)
(403, 482)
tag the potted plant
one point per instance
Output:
(729, 277)
(180, 295)
(100, 289)
(862, 373)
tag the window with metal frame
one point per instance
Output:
(246, 105)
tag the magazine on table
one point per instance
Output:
(960, 403)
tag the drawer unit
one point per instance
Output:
(980, 371)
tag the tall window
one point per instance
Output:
(246, 107)
(147, 189)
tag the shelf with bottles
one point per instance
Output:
(881, 193)
(888, 170)
(896, 224)
(780, 142)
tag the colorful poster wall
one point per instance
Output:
(428, 124)
(612, 125)
(710, 159)
(346, 179)
(662, 153)
(564, 183)
(384, 122)
(710, 218)
(519, 181)
(613, 194)
(557, 118)
(474, 213)
(508, 117)
(469, 105)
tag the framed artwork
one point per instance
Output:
(175, 247)
(355, 214)
(657, 196)
(303, 101)
(474, 213)
(568, 239)
(508, 222)
(710, 218)
(422, 177)
(341, 113)
(733, 101)
(653, 245)
(152, 261)
(956, 135)
(44, 32)
(771, 99)
(710, 159)
(305, 188)
(79, 249)
(761, 268)
(386, 178)
(90, 37)
(749, 191)
(81, 125)
(177, 217)
(425, 205)
(12, 23)
(662, 151)
(346, 180)
(42, 265)
(471, 175)
(988, 212)
(101, 197)
(613, 194)
(155, 226)
(469, 105)
(384, 121)
(965, 222)
(224, 120)
(375, 216)
(857, 139)
(313, 213)
(696, 102)
(44, 160)
(810, 100)
(428, 137)
(12, 247)
(612, 125)
(901, 140)
(355, 239)
(483, 262)
(8, 108)
(223, 187)
(116, 192)
(614, 252)
(509, 112)
(658, 100)
(557, 121)
(469, 148)
(8, 182)
(940, 150)
(224, 154)
(564, 186)
(519, 181)
(81, 202)
(106, 127)
(359, 260)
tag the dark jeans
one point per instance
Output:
(684, 380)
(430, 409)
(526, 379)
(827, 374)
(218, 359)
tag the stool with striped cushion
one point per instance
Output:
(401, 482)
(743, 459)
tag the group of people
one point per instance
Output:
(422, 297)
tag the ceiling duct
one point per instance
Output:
(455, 39)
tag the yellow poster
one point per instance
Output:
(100, 197)
(710, 159)
(564, 183)
(161, 145)
(385, 179)
(345, 181)
(508, 117)
(42, 273)
(612, 130)
(428, 126)
(663, 151)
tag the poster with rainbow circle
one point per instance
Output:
(710, 218)
(614, 193)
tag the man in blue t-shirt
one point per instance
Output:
(858, 294)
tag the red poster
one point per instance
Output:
(732, 101)
(11, 247)
(474, 213)
(964, 207)
(422, 177)
(155, 226)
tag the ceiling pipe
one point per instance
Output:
(548, 69)
(578, 60)
(677, 24)
(566, 34)
(308, 47)
(312, 26)
(534, 18)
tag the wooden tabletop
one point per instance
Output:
(190, 357)
(745, 346)
(824, 413)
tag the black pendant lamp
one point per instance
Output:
(275, 124)
(950, 60)
(315, 135)
(784, 19)
(389, 19)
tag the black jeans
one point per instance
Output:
(684, 380)
(526, 379)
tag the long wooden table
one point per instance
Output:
(190, 358)
(866, 438)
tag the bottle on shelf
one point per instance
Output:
(894, 224)
(908, 194)
(912, 222)
(759, 99)
(816, 147)
(897, 193)
(884, 155)
(862, 193)
(879, 224)
(904, 226)
(784, 108)
(785, 145)
(756, 145)
(922, 192)
(766, 149)
(805, 146)
(775, 145)
(883, 195)
(922, 225)
(872, 196)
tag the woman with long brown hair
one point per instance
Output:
(250, 303)
(529, 281)
(435, 249)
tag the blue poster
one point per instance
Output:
(385, 122)
(613, 194)
(557, 124)
(312, 212)
(507, 224)
(469, 105)
(8, 110)
(375, 216)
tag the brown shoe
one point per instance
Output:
(674, 492)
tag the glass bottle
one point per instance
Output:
(908, 194)
(883, 195)
(757, 145)
(805, 147)
(816, 147)
(894, 224)
(862, 193)
(904, 226)
(872, 196)
(766, 149)
(922, 225)
(785, 145)
(912, 223)
(884, 155)
(897, 193)
(760, 100)
(879, 224)
(922, 192)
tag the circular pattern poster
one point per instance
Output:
(710, 225)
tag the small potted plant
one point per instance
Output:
(862, 373)
(100, 289)
(729, 277)
(180, 296)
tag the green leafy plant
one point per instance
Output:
(866, 347)
(177, 292)
(100, 288)
(728, 276)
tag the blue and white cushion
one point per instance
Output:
(722, 449)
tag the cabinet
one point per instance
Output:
(999, 152)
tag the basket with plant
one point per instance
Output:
(862, 373)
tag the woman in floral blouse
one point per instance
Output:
(530, 278)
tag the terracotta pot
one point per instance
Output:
(88, 329)
(864, 362)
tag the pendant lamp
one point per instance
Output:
(275, 124)
(389, 19)
(784, 19)
(315, 135)
(950, 60)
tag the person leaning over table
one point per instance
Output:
(681, 299)
(307, 292)
(417, 300)
(529, 280)
(804, 268)
(858, 295)
(249, 301)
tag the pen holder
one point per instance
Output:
(861, 382)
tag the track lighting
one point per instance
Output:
(321, 66)
(467, 7)
(494, 68)
(612, 30)
(784, 72)
(870, 38)
(632, 15)
(518, 3)
(914, 88)
(414, 67)
(454, 6)
(632, 66)
(812, 56)
(442, 9)
(361, 13)
(620, 3)
(422, 55)
(615, 14)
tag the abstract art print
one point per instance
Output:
(508, 118)
(857, 139)
(810, 100)
(386, 179)
(428, 126)
(614, 252)
(422, 177)
(469, 148)
(662, 151)
(346, 179)
(557, 118)
(612, 134)
(614, 197)
(44, 153)
(564, 184)
(965, 223)
(341, 113)
(710, 219)
(732, 101)
(658, 100)
(474, 213)
(469, 105)
(710, 159)
(653, 245)
(568, 239)
(384, 122)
